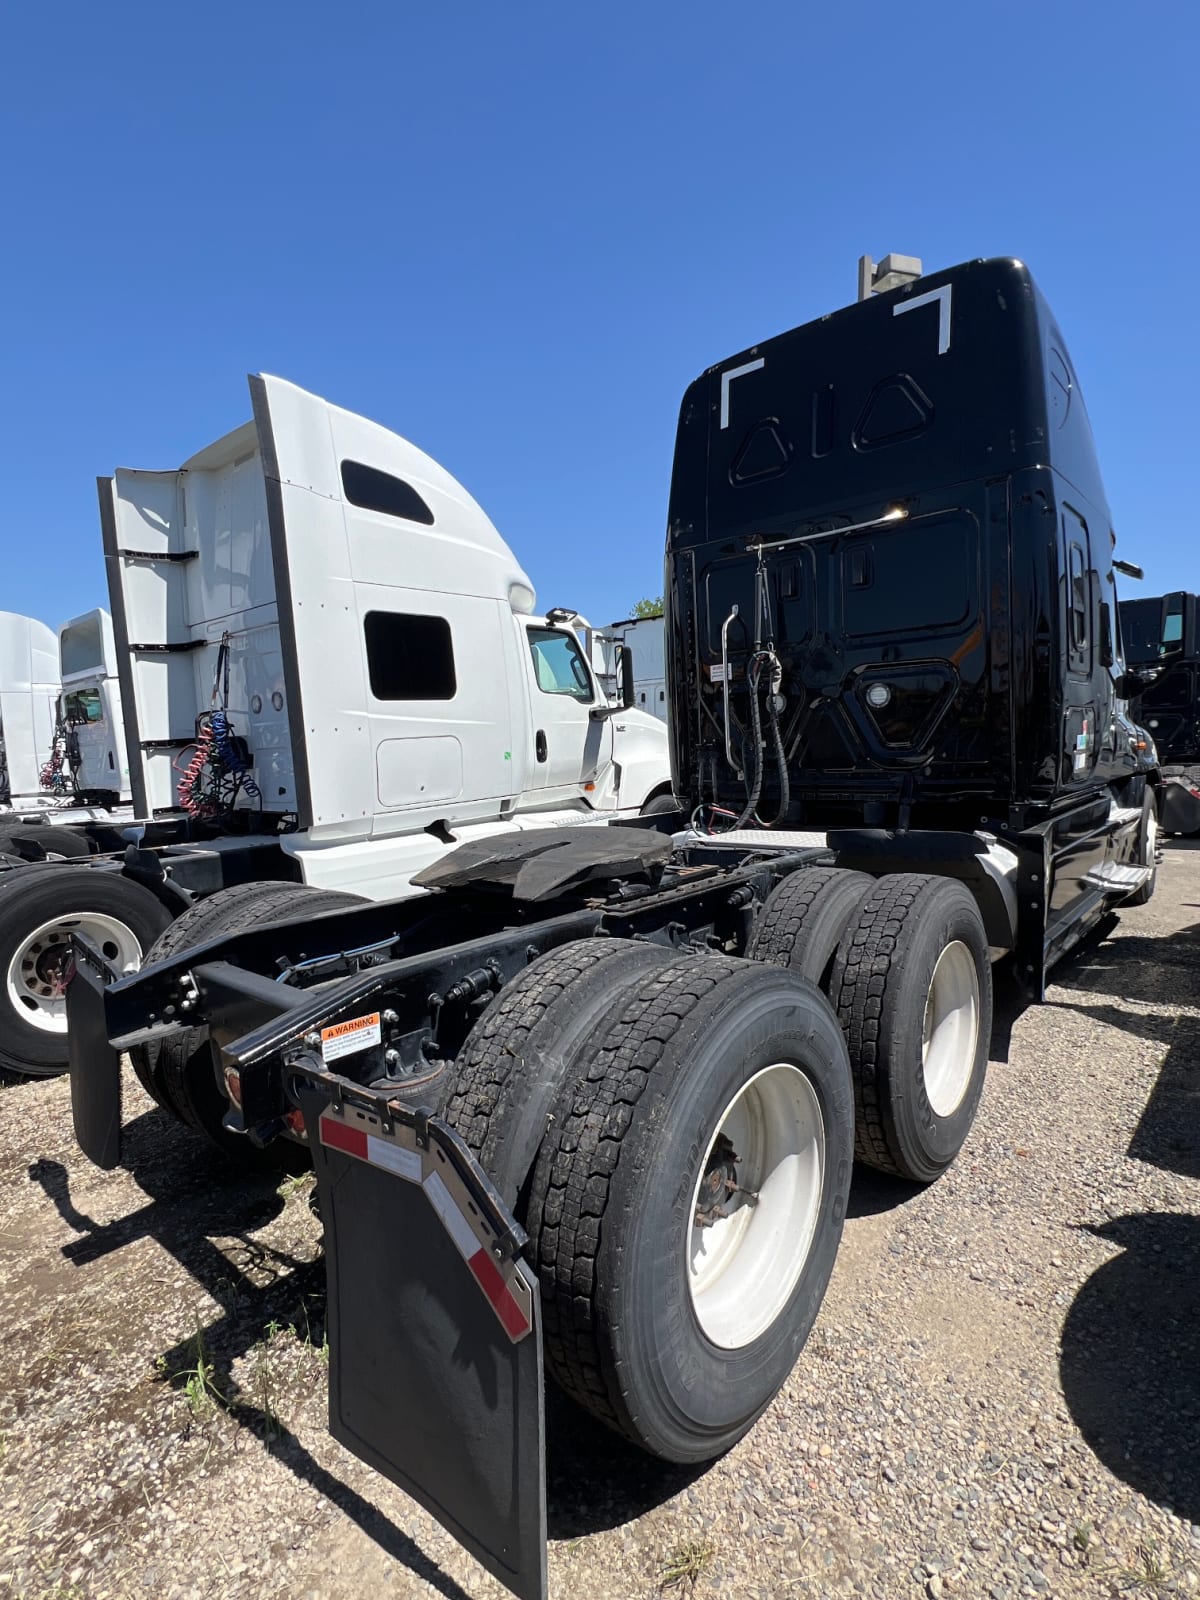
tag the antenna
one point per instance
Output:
(890, 273)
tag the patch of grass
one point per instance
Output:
(293, 1186)
(264, 1389)
(686, 1565)
(1147, 1574)
(200, 1389)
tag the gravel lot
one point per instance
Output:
(1001, 1397)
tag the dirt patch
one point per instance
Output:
(1000, 1399)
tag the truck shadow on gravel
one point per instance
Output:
(594, 1479)
(1130, 1361)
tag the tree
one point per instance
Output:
(647, 608)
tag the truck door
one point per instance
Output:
(570, 747)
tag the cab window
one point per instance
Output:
(83, 705)
(558, 664)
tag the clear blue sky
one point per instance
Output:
(514, 233)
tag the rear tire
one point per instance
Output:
(912, 984)
(804, 918)
(676, 1337)
(180, 1072)
(510, 1072)
(41, 905)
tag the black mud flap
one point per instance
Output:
(95, 1066)
(1179, 804)
(435, 1371)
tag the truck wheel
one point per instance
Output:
(688, 1199)
(180, 1072)
(62, 841)
(509, 1074)
(41, 906)
(802, 922)
(1147, 852)
(912, 984)
(658, 805)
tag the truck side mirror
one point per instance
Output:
(625, 675)
(1128, 685)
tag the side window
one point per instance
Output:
(409, 657)
(83, 705)
(558, 664)
(1080, 586)
(380, 491)
(1172, 628)
(1079, 608)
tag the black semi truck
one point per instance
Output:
(1163, 648)
(591, 1104)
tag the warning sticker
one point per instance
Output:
(344, 1038)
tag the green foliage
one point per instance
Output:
(647, 608)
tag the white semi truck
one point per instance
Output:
(28, 691)
(331, 673)
(645, 638)
(95, 763)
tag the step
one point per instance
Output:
(1118, 878)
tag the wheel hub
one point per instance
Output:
(719, 1184)
(46, 966)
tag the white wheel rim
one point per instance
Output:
(743, 1267)
(951, 1033)
(1151, 860)
(36, 984)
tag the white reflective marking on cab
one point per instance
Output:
(943, 298)
(728, 377)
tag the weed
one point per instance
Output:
(1146, 1574)
(200, 1388)
(293, 1186)
(264, 1386)
(1082, 1536)
(686, 1564)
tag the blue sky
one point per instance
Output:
(515, 233)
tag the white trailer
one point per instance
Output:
(332, 672)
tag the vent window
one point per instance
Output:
(409, 657)
(380, 491)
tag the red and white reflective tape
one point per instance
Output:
(407, 1164)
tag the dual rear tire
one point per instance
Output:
(687, 1183)
(904, 960)
(676, 1134)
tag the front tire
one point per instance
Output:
(1147, 851)
(673, 1323)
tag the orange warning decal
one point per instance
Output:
(344, 1038)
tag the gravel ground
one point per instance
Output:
(1001, 1397)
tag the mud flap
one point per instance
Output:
(1179, 807)
(95, 1066)
(435, 1372)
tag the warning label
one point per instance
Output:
(344, 1038)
